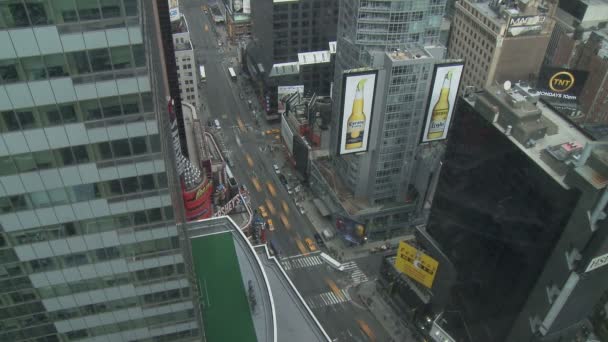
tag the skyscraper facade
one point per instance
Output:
(89, 248)
(399, 38)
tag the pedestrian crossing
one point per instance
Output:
(356, 274)
(308, 261)
(327, 299)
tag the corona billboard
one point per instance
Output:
(444, 87)
(415, 264)
(358, 94)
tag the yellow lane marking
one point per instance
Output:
(271, 207)
(285, 222)
(249, 160)
(270, 187)
(256, 183)
(301, 247)
(241, 124)
(285, 206)
(334, 288)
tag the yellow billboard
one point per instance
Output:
(415, 264)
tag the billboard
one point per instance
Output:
(351, 230)
(174, 10)
(358, 95)
(198, 202)
(301, 152)
(525, 25)
(237, 6)
(415, 264)
(561, 83)
(283, 93)
(442, 100)
(287, 134)
(247, 6)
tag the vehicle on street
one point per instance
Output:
(273, 131)
(276, 169)
(203, 75)
(270, 225)
(310, 244)
(319, 240)
(327, 234)
(262, 211)
(217, 124)
(283, 179)
(231, 72)
(274, 248)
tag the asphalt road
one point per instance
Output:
(325, 289)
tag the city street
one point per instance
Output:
(326, 290)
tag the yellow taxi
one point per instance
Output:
(262, 211)
(270, 225)
(310, 244)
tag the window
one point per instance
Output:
(38, 10)
(100, 59)
(110, 8)
(56, 65)
(111, 106)
(8, 71)
(78, 63)
(33, 68)
(121, 57)
(88, 9)
(64, 11)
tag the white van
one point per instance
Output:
(217, 124)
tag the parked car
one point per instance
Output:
(270, 225)
(319, 240)
(276, 169)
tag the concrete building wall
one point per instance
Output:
(520, 59)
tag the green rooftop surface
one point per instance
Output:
(224, 301)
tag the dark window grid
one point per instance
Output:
(72, 155)
(84, 192)
(155, 217)
(141, 249)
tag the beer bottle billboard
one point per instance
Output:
(442, 100)
(358, 97)
(355, 125)
(439, 116)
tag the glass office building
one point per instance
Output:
(89, 247)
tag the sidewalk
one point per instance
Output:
(366, 295)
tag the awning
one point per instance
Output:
(321, 207)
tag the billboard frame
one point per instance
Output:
(345, 76)
(428, 113)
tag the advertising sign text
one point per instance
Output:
(415, 264)
(526, 25)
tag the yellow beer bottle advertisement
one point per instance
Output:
(439, 115)
(355, 126)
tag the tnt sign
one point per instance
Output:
(562, 81)
(561, 84)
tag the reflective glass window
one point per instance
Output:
(78, 63)
(121, 57)
(56, 65)
(64, 11)
(34, 68)
(110, 8)
(39, 12)
(110, 106)
(88, 9)
(100, 59)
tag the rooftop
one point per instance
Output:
(229, 269)
(179, 26)
(544, 135)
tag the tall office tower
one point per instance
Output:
(185, 62)
(579, 41)
(380, 182)
(517, 222)
(88, 239)
(500, 40)
(291, 46)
